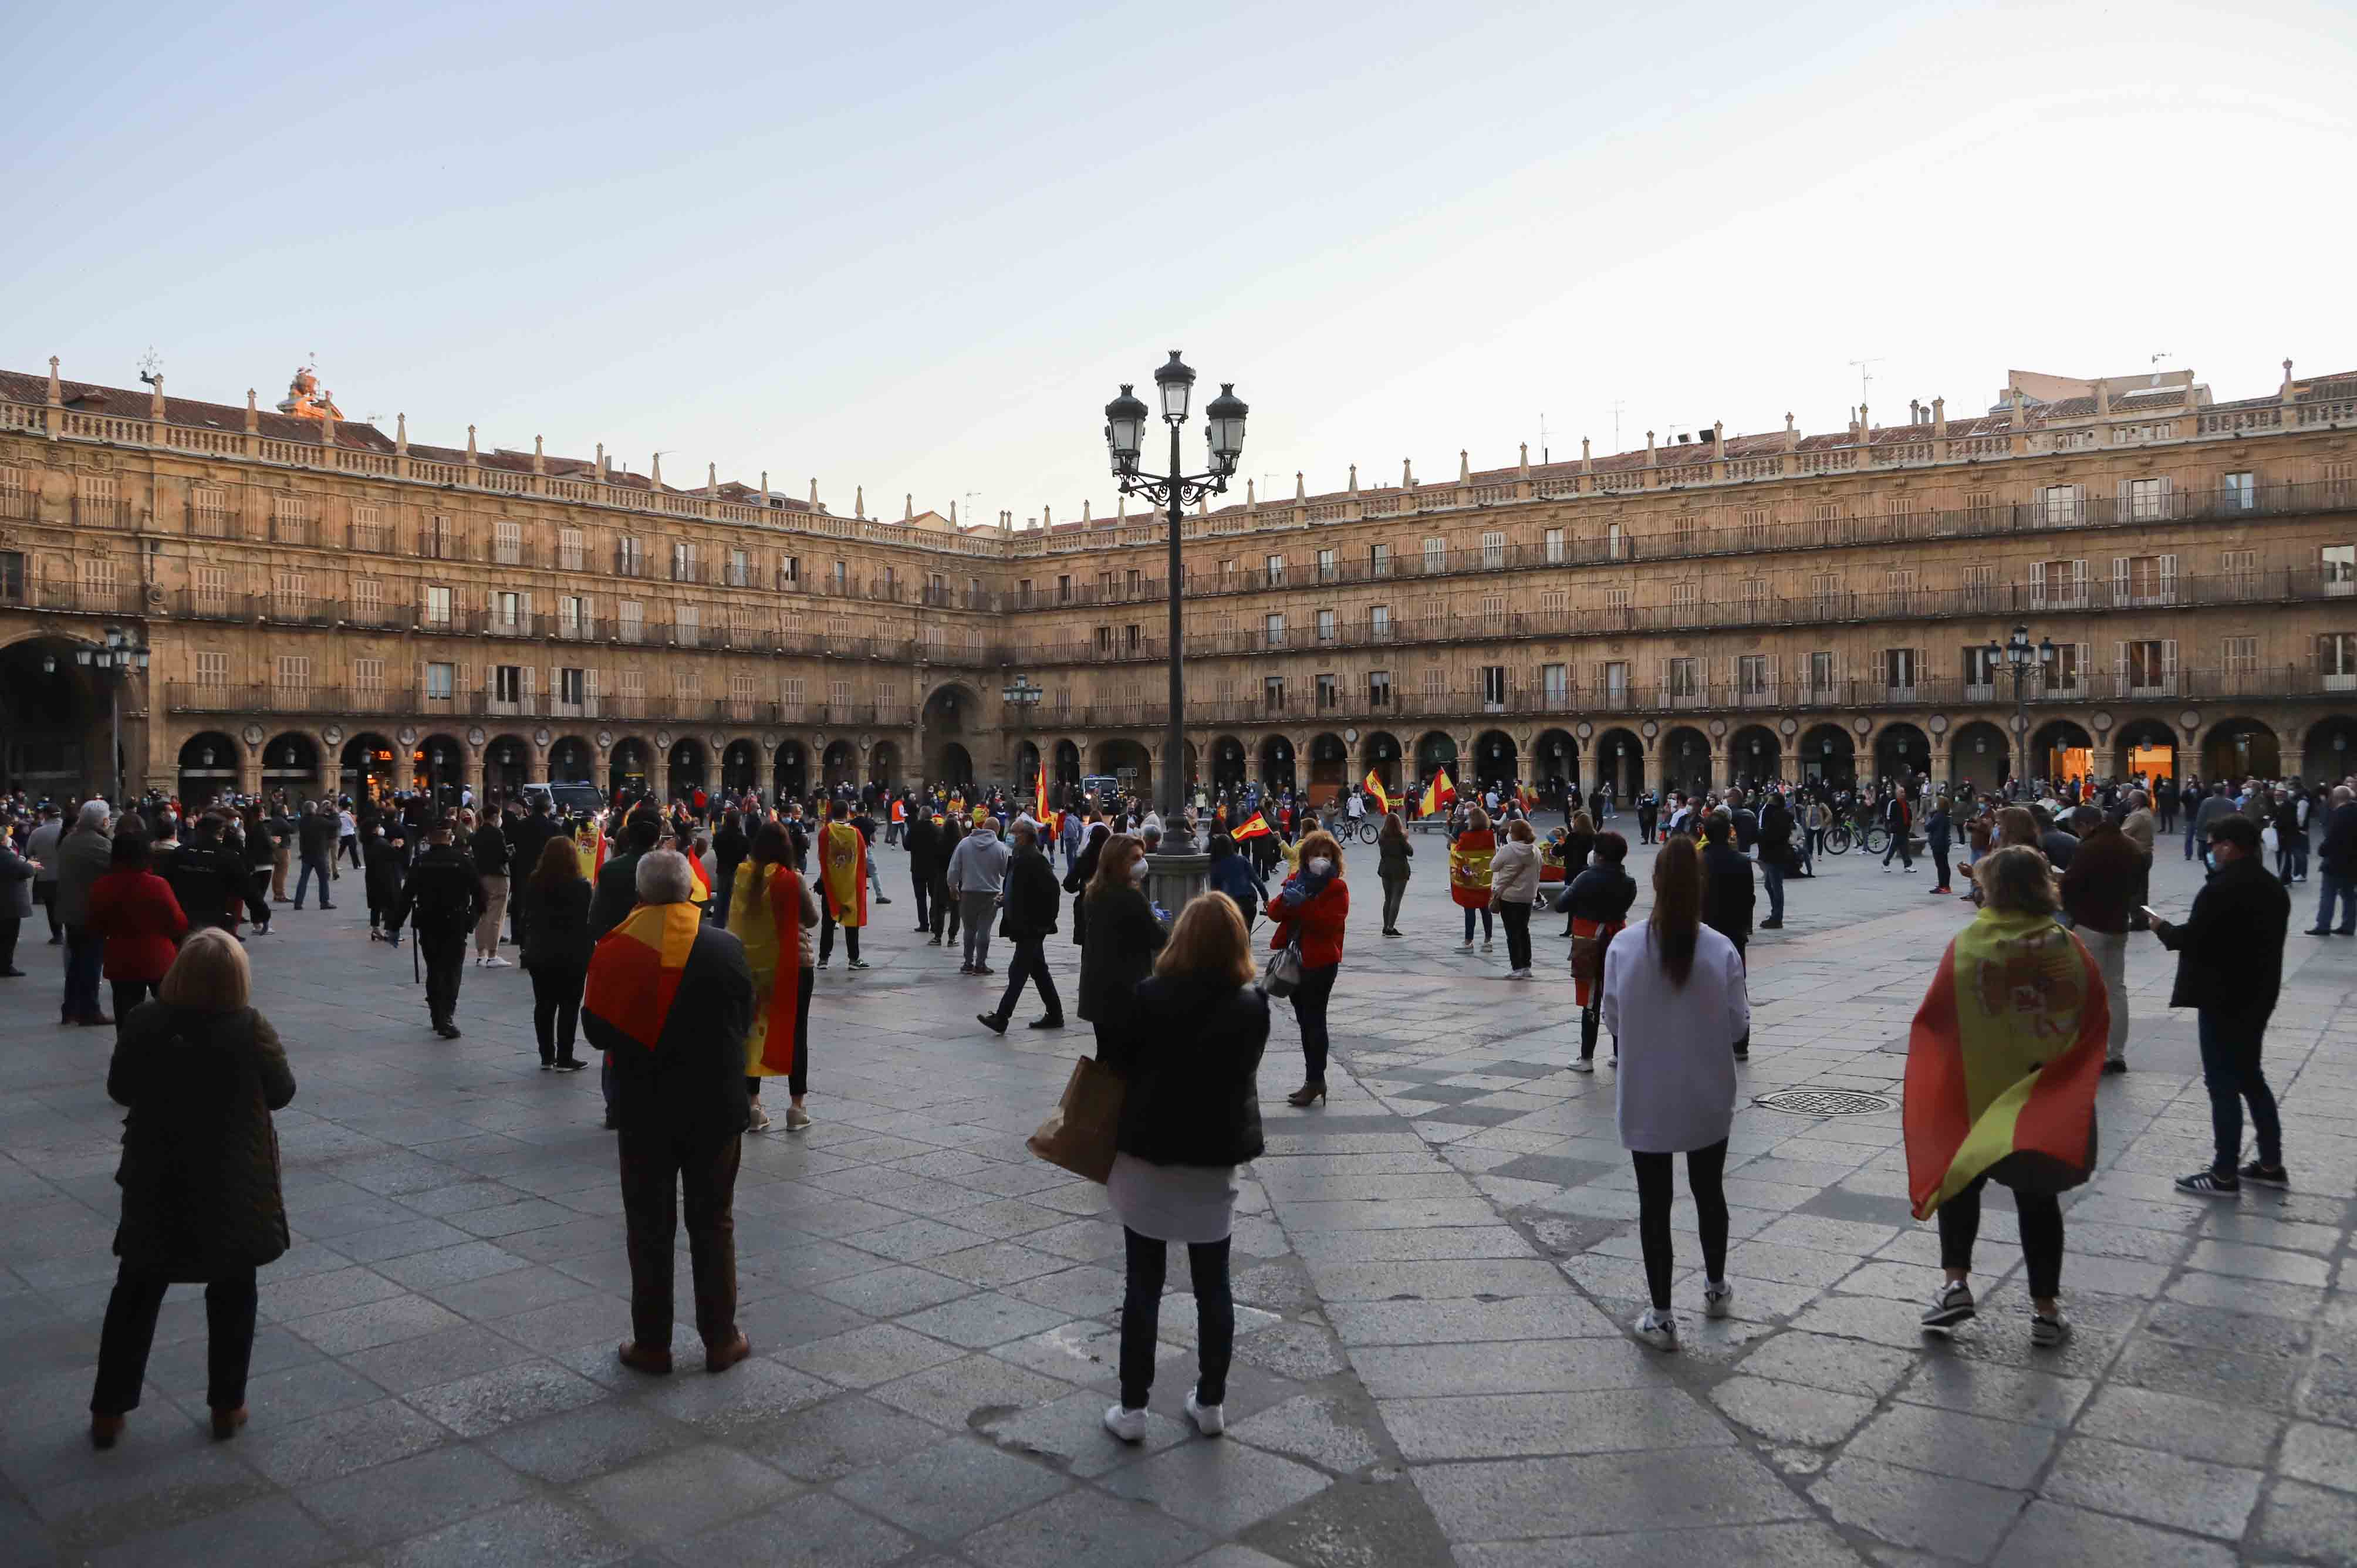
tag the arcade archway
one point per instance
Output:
(1067, 764)
(1128, 761)
(840, 765)
(1685, 762)
(572, 761)
(438, 765)
(208, 770)
(626, 769)
(685, 773)
(883, 764)
(291, 762)
(1555, 757)
(1829, 756)
(1383, 756)
(1434, 750)
(1330, 767)
(1277, 763)
(1026, 768)
(952, 714)
(1978, 757)
(2062, 750)
(1621, 765)
(2329, 748)
(1496, 759)
(792, 770)
(1900, 752)
(1227, 764)
(2240, 748)
(2146, 751)
(370, 769)
(1754, 757)
(55, 731)
(506, 767)
(741, 766)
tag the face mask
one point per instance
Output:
(1320, 867)
(1138, 870)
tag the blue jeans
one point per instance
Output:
(312, 866)
(2342, 889)
(2190, 834)
(1773, 875)
(2229, 1071)
(85, 956)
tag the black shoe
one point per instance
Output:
(2116, 1067)
(2258, 1174)
(984, 968)
(2210, 1184)
(992, 1022)
(325, 904)
(56, 941)
(856, 963)
(569, 1064)
(1771, 924)
(1053, 1021)
(2317, 931)
(11, 975)
(1307, 1094)
(299, 905)
(881, 899)
(446, 1029)
(547, 1064)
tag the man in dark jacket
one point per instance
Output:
(315, 844)
(444, 896)
(924, 842)
(1726, 897)
(528, 835)
(679, 1109)
(206, 877)
(729, 847)
(618, 883)
(1031, 899)
(1776, 857)
(488, 848)
(2229, 971)
(2336, 867)
(2100, 891)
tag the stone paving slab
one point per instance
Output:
(1434, 1273)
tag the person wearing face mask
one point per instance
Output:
(1513, 886)
(1123, 938)
(1311, 908)
(1598, 902)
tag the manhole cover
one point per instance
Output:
(1825, 1102)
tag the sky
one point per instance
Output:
(916, 253)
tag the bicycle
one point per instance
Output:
(1876, 840)
(1836, 839)
(1369, 828)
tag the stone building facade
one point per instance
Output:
(328, 605)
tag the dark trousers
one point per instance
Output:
(130, 1334)
(556, 1007)
(826, 935)
(2041, 1235)
(445, 961)
(257, 895)
(1517, 920)
(1940, 863)
(1902, 847)
(922, 887)
(1147, 1261)
(2229, 1071)
(1309, 1011)
(1773, 877)
(85, 955)
(313, 865)
(129, 994)
(1704, 1169)
(1030, 963)
(45, 893)
(1488, 930)
(944, 907)
(661, 1172)
(8, 929)
(351, 846)
(1394, 892)
(2340, 890)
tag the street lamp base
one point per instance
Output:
(1172, 880)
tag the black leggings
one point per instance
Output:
(556, 1007)
(1705, 1168)
(797, 1076)
(1393, 892)
(2041, 1214)
(1486, 930)
(1309, 1011)
(130, 1333)
(1517, 920)
(257, 895)
(1141, 1315)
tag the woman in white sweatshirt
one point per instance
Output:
(1673, 997)
(1513, 885)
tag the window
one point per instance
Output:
(1105, 642)
(1324, 626)
(2059, 505)
(2144, 579)
(1379, 621)
(212, 669)
(740, 569)
(2241, 491)
(740, 627)
(2340, 563)
(1752, 675)
(1064, 589)
(687, 626)
(438, 684)
(1898, 582)
(790, 570)
(507, 683)
(1555, 601)
(1494, 551)
(1612, 542)
(571, 616)
(1271, 694)
(438, 606)
(569, 549)
(572, 687)
(1276, 568)
(1554, 684)
(507, 543)
(1329, 694)
(841, 577)
(1273, 629)
(1755, 527)
(687, 686)
(1824, 593)
(1493, 686)
(209, 511)
(1133, 638)
(2148, 668)
(1683, 680)
(1131, 583)
(368, 675)
(1105, 587)
(294, 672)
(1615, 683)
(2239, 655)
(1553, 546)
(1685, 599)
(1898, 669)
(791, 691)
(888, 699)
(1327, 570)
(1981, 506)
(634, 685)
(630, 557)
(2339, 482)
(12, 574)
(98, 579)
(1023, 591)
(1493, 607)
(1436, 555)
(368, 598)
(683, 561)
(2336, 654)
(888, 581)
(2239, 570)
(212, 590)
(2068, 670)
(630, 618)
(1980, 587)
(1981, 664)
(2058, 585)
(1379, 688)
(2147, 498)
(507, 612)
(440, 540)
(1379, 559)
(1821, 671)
(1616, 598)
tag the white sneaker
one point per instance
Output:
(796, 1118)
(1718, 1298)
(1210, 1419)
(1583, 1063)
(1485, 944)
(1129, 1425)
(496, 962)
(1658, 1329)
(761, 1122)
(1518, 975)
(1465, 946)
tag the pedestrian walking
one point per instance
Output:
(314, 848)
(1122, 938)
(1393, 855)
(1513, 885)
(670, 1000)
(488, 848)
(977, 874)
(2336, 867)
(555, 905)
(259, 850)
(132, 911)
(1031, 901)
(2100, 893)
(443, 895)
(1469, 873)
(1674, 998)
(1231, 873)
(1598, 900)
(922, 838)
(1189, 1116)
(2002, 1062)
(774, 913)
(199, 1071)
(2230, 972)
(1312, 908)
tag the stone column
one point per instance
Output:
(535, 765)
(249, 769)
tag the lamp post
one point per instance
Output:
(1179, 869)
(1021, 696)
(2020, 657)
(121, 656)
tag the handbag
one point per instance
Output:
(1283, 975)
(1078, 1135)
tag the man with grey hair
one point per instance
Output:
(84, 854)
(669, 999)
(2336, 867)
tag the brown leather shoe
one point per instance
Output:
(640, 1359)
(104, 1430)
(227, 1422)
(728, 1355)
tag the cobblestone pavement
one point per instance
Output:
(1435, 1271)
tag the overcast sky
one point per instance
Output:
(915, 248)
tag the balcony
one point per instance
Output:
(88, 513)
(431, 543)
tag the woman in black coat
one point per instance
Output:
(1190, 1117)
(1076, 882)
(556, 947)
(1124, 936)
(200, 1071)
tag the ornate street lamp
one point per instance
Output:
(1021, 696)
(1179, 869)
(2021, 658)
(123, 655)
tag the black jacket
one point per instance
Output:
(555, 923)
(1193, 1067)
(315, 835)
(488, 848)
(444, 892)
(1076, 883)
(2230, 949)
(1032, 899)
(729, 847)
(2338, 852)
(207, 880)
(1601, 893)
(1727, 895)
(618, 894)
(527, 838)
(691, 1087)
(1776, 836)
(1123, 938)
(924, 842)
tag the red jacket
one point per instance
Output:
(142, 922)
(1321, 920)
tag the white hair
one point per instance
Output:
(94, 816)
(663, 877)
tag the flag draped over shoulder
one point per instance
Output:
(1252, 827)
(765, 913)
(2003, 1060)
(1469, 868)
(634, 974)
(589, 839)
(701, 892)
(843, 869)
(1374, 786)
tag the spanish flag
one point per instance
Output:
(589, 841)
(1039, 797)
(843, 870)
(2003, 1060)
(1438, 795)
(702, 894)
(634, 974)
(1252, 827)
(765, 916)
(1375, 787)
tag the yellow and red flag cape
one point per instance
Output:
(634, 974)
(2003, 1060)
(1039, 797)
(1252, 827)
(701, 893)
(1374, 786)
(768, 922)
(590, 840)
(843, 870)
(1438, 795)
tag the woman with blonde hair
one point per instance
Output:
(200, 1071)
(1469, 873)
(2002, 1064)
(775, 913)
(1311, 909)
(1190, 1117)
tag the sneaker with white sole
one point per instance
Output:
(796, 1119)
(1518, 975)
(761, 1122)
(1585, 1064)
(1718, 1298)
(2049, 1333)
(1485, 944)
(1465, 946)
(1658, 1329)
(2210, 1184)
(1951, 1304)
(496, 962)
(1129, 1425)
(1210, 1419)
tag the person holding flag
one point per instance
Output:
(843, 871)
(1377, 793)
(1469, 874)
(1438, 795)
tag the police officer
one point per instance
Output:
(443, 896)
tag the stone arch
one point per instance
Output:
(1027, 766)
(1496, 758)
(1980, 757)
(1901, 751)
(1685, 760)
(1068, 763)
(953, 714)
(1330, 767)
(740, 766)
(2329, 749)
(1227, 763)
(1435, 750)
(507, 767)
(683, 769)
(1754, 757)
(371, 768)
(2144, 749)
(1828, 755)
(2239, 749)
(1127, 760)
(1554, 755)
(208, 768)
(1277, 762)
(790, 770)
(883, 764)
(839, 765)
(573, 760)
(2061, 749)
(290, 761)
(1621, 763)
(55, 719)
(1384, 756)
(438, 765)
(630, 766)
